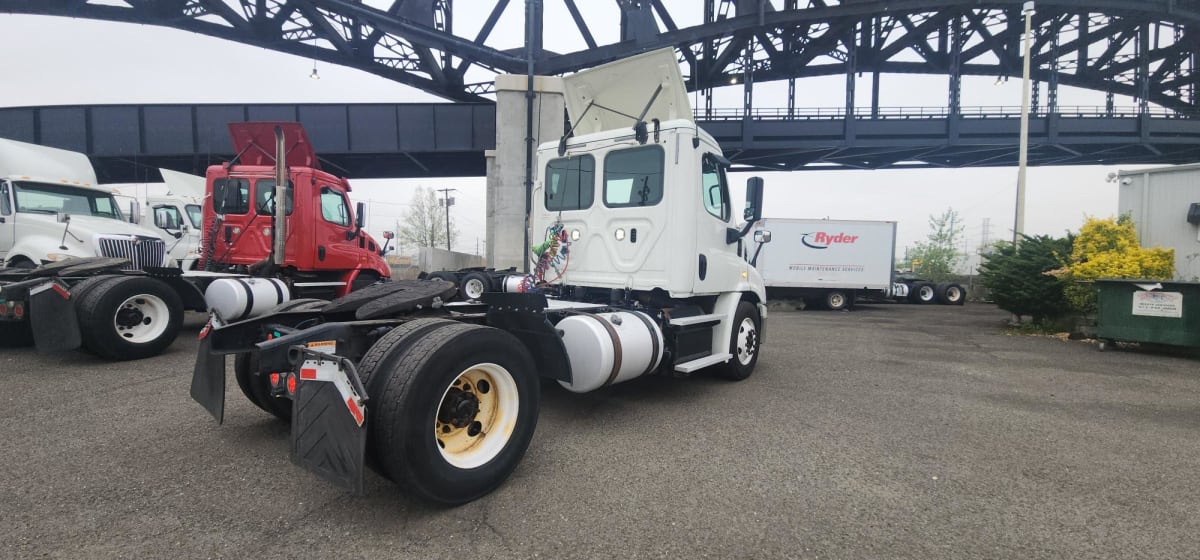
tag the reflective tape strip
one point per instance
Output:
(328, 371)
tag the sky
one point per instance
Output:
(77, 61)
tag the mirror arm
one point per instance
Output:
(754, 259)
(732, 235)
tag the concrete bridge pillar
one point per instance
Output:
(506, 164)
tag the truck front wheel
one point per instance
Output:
(456, 413)
(129, 317)
(743, 343)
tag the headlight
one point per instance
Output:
(55, 257)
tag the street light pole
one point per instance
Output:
(1019, 218)
(447, 201)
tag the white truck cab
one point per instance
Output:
(176, 216)
(51, 209)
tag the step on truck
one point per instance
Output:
(831, 264)
(78, 273)
(638, 267)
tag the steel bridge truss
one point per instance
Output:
(1144, 49)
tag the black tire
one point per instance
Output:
(257, 388)
(80, 290)
(922, 292)
(405, 414)
(837, 300)
(474, 285)
(115, 300)
(745, 357)
(950, 293)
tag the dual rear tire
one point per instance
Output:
(453, 407)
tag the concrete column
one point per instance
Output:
(506, 164)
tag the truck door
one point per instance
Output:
(716, 268)
(333, 250)
(8, 223)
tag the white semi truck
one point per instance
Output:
(74, 269)
(638, 267)
(832, 263)
(176, 216)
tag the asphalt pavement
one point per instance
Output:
(891, 431)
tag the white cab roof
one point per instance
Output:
(21, 159)
(618, 92)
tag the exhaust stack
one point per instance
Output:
(281, 181)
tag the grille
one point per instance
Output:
(141, 251)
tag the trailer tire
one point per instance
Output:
(449, 389)
(257, 388)
(837, 300)
(129, 317)
(922, 292)
(950, 293)
(473, 286)
(743, 343)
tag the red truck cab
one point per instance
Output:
(324, 240)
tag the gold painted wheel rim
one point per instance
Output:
(476, 416)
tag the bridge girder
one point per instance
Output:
(1145, 49)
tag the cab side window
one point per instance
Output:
(334, 208)
(264, 197)
(5, 205)
(714, 188)
(231, 196)
(633, 177)
(570, 183)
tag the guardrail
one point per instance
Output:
(902, 113)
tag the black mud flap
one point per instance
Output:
(52, 318)
(329, 430)
(208, 379)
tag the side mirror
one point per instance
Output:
(135, 212)
(63, 217)
(360, 215)
(754, 199)
(762, 236)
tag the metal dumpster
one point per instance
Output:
(1148, 311)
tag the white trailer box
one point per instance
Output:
(831, 261)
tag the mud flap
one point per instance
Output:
(208, 379)
(52, 318)
(329, 431)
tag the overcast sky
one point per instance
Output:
(75, 61)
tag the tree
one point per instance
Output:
(1017, 277)
(1109, 248)
(424, 222)
(938, 254)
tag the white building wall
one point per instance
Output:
(1158, 201)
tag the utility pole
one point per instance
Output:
(1023, 150)
(447, 201)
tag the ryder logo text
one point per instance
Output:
(822, 240)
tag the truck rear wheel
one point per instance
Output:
(922, 292)
(949, 293)
(837, 300)
(457, 411)
(129, 317)
(256, 386)
(743, 343)
(473, 286)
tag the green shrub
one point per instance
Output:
(1017, 279)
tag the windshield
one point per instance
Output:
(44, 198)
(193, 212)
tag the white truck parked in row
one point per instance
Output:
(639, 269)
(832, 263)
(74, 269)
(175, 216)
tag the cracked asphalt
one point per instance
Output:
(888, 432)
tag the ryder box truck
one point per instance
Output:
(828, 262)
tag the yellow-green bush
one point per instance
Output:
(1109, 248)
